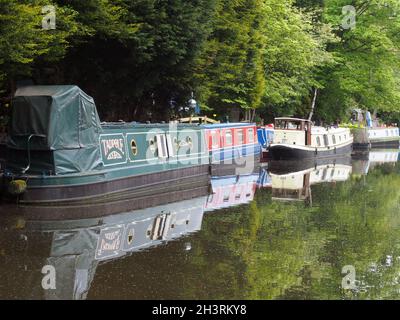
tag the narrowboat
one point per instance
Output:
(374, 135)
(228, 142)
(299, 139)
(59, 151)
(296, 186)
(265, 136)
(377, 137)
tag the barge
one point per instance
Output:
(377, 137)
(372, 134)
(58, 151)
(227, 142)
(299, 139)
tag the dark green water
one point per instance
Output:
(266, 249)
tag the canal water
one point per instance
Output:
(330, 231)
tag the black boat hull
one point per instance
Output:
(280, 152)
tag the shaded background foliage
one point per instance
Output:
(142, 59)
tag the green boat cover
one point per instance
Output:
(63, 126)
(61, 117)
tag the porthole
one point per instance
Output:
(134, 148)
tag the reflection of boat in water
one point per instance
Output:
(365, 161)
(287, 166)
(231, 191)
(76, 247)
(296, 186)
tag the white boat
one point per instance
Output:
(298, 139)
(374, 135)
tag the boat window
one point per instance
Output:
(326, 140)
(214, 140)
(228, 137)
(340, 138)
(134, 147)
(333, 139)
(288, 125)
(251, 135)
(318, 141)
(240, 137)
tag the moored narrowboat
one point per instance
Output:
(377, 137)
(58, 151)
(229, 141)
(299, 139)
(374, 134)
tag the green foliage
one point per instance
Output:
(367, 73)
(296, 49)
(23, 41)
(268, 55)
(230, 71)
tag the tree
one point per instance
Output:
(366, 75)
(23, 41)
(230, 70)
(295, 54)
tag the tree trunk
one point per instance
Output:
(313, 104)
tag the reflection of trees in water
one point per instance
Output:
(288, 250)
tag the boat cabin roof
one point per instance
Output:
(130, 125)
(292, 119)
(228, 125)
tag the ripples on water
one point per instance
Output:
(277, 233)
